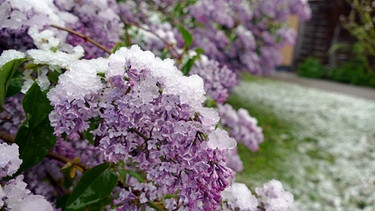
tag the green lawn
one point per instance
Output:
(268, 162)
(320, 145)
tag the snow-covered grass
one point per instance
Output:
(321, 145)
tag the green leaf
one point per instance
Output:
(35, 136)
(188, 38)
(190, 62)
(53, 76)
(95, 184)
(34, 143)
(15, 86)
(36, 106)
(199, 51)
(6, 73)
(187, 66)
(135, 175)
(94, 123)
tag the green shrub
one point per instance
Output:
(311, 67)
(352, 73)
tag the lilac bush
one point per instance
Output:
(245, 35)
(129, 122)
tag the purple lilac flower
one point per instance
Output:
(241, 126)
(218, 81)
(19, 16)
(234, 161)
(150, 115)
(300, 8)
(98, 20)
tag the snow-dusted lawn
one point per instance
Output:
(332, 165)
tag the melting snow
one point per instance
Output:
(340, 128)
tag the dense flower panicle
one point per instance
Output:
(15, 196)
(300, 8)
(206, 11)
(270, 197)
(273, 197)
(97, 20)
(19, 16)
(13, 193)
(233, 160)
(142, 113)
(236, 36)
(241, 126)
(150, 115)
(238, 196)
(9, 159)
(158, 37)
(218, 81)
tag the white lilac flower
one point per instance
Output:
(9, 159)
(273, 197)
(9, 55)
(238, 196)
(18, 197)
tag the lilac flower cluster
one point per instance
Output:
(245, 35)
(149, 118)
(241, 126)
(19, 16)
(270, 197)
(143, 114)
(273, 197)
(9, 160)
(98, 20)
(218, 81)
(13, 194)
(270, 32)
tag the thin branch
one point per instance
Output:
(56, 184)
(86, 38)
(66, 160)
(7, 138)
(133, 130)
(170, 46)
(127, 35)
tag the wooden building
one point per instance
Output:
(316, 36)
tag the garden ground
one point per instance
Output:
(320, 144)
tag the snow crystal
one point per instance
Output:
(80, 80)
(9, 160)
(221, 140)
(19, 198)
(190, 89)
(44, 40)
(10, 55)
(58, 58)
(337, 129)
(239, 196)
